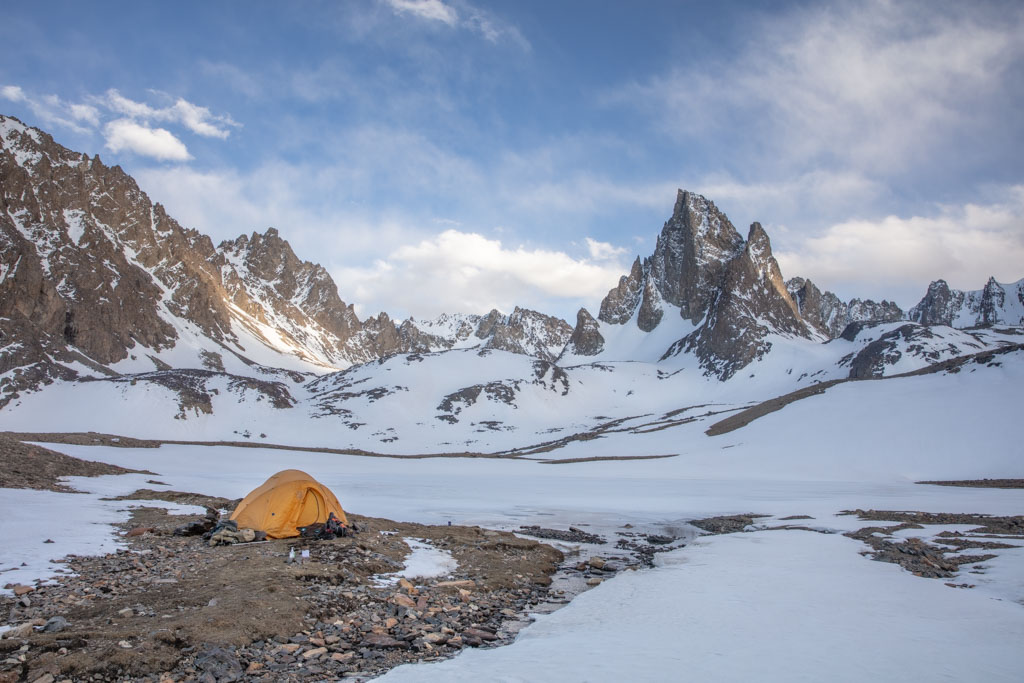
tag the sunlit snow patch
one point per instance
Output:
(423, 562)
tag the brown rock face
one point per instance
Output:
(729, 287)
(829, 315)
(586, 339)
(752, 303)
(692, 253)
(618, 307)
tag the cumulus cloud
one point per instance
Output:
(468, 272)
(602, 251)
(158, 143)
(13, 93)
(898, 256)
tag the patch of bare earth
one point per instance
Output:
(943, 557)
(27, 466)
(980, 483)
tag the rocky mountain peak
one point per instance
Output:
(703, 271)
(691, 252)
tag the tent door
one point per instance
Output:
(314, 509)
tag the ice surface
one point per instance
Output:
(764, 606)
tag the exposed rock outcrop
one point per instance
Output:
(828, 314)
(586, 339)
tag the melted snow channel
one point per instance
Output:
(424, 562)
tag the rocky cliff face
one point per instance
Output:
(830, 315)
(995, 304)
(703, 271)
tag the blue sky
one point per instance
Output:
(447, 155)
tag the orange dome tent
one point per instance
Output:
(288, 500)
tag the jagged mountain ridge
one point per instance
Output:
(830, 315)
(707, 304)
(93, 273)
(994, 304)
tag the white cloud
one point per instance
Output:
(158, 143)
(461, 14)
(85, 113)
(13, 93)
(872, 85)
(432, 10)
(197, 119)
(51, 110)
(85, 117)
(467, 272)
(898, 257)
(602, 251)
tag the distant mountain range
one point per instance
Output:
(99, 285)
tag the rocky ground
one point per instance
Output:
(168, 607)
(27, 466)
(173, 608)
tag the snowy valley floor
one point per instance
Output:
(763, 605)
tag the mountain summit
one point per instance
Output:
(727, 291)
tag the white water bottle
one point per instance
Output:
(291, 556)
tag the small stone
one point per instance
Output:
(20, 589)
(407, 586)
(125, 644)
(382, 640)
(435, 638)
(597, 562)
(594, 581)
(45, 678)
(289, 648)
(479, 634)
(461, 583)
(403, 600)
(55, 625)
(390, 622)
(342, 656)
(126, 612)
(253, 667)
(314, 653)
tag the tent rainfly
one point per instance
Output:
(288, 500)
